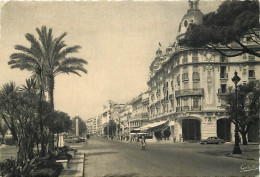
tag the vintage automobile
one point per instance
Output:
(212, 140)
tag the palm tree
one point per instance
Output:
(47, 58)
(8, 97)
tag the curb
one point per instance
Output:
(240, 157)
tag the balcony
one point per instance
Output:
(195, 59)
(195, 76)
(197, 108)
(187, 92)
(185, 77)
(183, 108)
(223, 76)
(145, 114)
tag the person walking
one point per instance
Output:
(143, 143)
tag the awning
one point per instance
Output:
(153, 125)
(135, 130)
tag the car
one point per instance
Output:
(72, 139)
(212, 140)
(81, 139)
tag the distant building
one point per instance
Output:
(139, 116)
(91, 125)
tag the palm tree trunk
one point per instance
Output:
(51, 90)
(43, 148)
(51, 99)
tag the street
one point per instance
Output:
(114, 158)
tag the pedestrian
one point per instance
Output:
(143, 143)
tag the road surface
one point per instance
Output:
(114, 158)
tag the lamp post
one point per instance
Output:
(237, 149)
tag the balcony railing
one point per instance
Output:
(224, 76)
(186, 92)
(185, 77)
(195, 59)
(195, 76)
(145, 114)
(183, 108)
(197, 108)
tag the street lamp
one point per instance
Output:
(237, 149)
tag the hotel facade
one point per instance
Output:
(188, 86)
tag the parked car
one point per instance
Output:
(81, 139)
(72, 139)
(212, 140)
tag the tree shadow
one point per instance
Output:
(101, 153)
(216, 153)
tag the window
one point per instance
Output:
(195, 103)
(185, 23)
(222, 58)
(251, 73)
(185, 101)
(223, 88)
(248, 38)
(223, 72)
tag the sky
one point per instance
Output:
(118, 40)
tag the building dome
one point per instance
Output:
(193, 16)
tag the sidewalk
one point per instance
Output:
(249, 152)
(75, 166)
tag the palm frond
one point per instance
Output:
(68, 50)
(71, 69)
(73, 61)
(35, 45)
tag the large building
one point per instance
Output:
(188, 86)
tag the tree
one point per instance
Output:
(82, 126)
(3, 129)
(248, 107)
(50, 55)
(110, 128)
(60, 122)
(47, 57)
(222, 30)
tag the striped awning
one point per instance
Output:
(155, 125)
